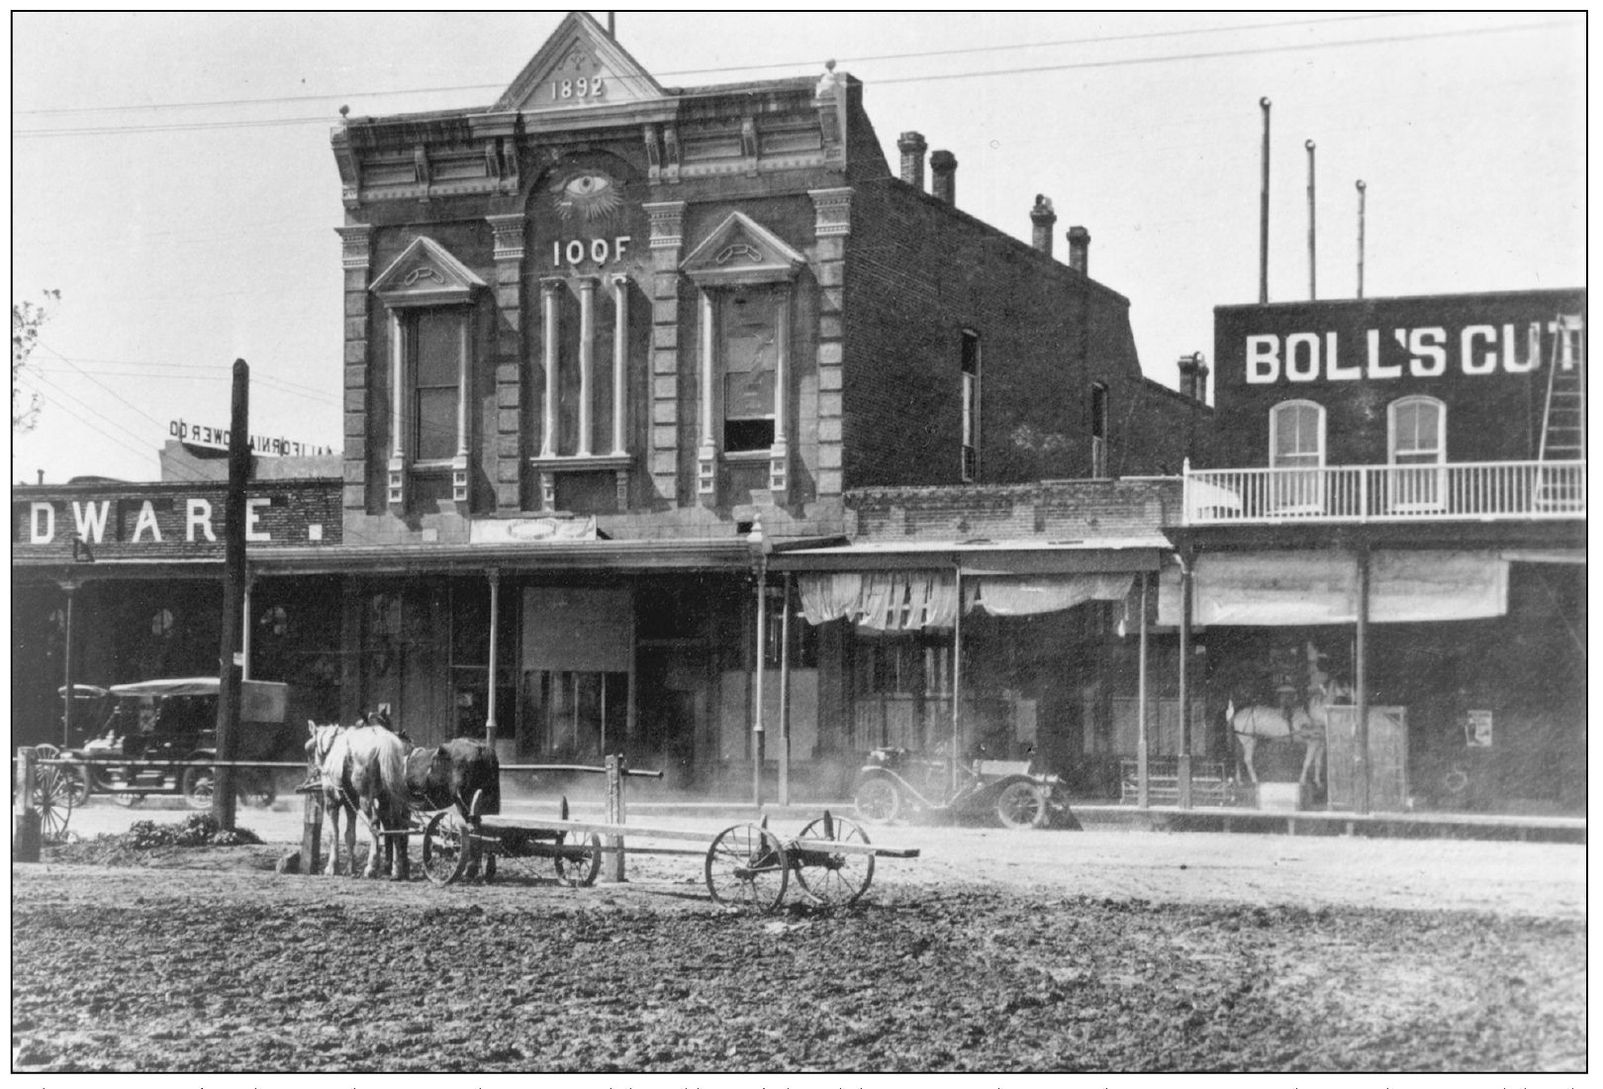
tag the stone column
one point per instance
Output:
(832, 226)
(549, 300)
(508, 348)
(397, 467)
(667, 239)
(587, 353)
(707, 447)
(356, 258)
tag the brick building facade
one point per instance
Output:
(609, 347)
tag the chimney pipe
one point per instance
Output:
(1188, 376)
(1080, 250)
(1361, 188)
(1201, 385)
(943, 176)
(1042, 217)
(1312, 293)
(912, 146)
(1263, 212)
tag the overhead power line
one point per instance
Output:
(917, 55)
(199, 126)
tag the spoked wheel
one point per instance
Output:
(198, 786)
(878, 801)
(77, 780)
(835, 879)
(747, 869)
(579, 871)
(1021, 805)
(52, 797)
(445, 848)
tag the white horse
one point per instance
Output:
(1305, 724)
(363, 768)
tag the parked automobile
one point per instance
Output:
(163, 724)
(898, 783)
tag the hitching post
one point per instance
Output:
(24, 818)
(615, 815)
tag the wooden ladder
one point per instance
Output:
(1558, 485)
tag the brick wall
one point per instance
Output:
(918, 273)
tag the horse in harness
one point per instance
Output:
(1296, 722)
(362, 769)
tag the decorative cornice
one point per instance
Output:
(356, 250)
(833, 211)
(667, 224)
(508, 235)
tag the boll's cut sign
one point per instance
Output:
(1422, 352)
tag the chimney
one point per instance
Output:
(912, 146)
(1079, 250)
(1042, 217)
(943, 171)
(1193, 377)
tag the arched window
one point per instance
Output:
(1296, 435)
(1416, 448)
(1297, 445)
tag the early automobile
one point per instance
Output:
(145, 737)
(898, 783)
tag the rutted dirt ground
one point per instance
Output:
(997, 952)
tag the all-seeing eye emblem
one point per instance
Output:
(589, 196)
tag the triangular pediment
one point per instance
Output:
(426, 275)
(579, 67)
(741, 250)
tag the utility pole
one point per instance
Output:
(230, 658)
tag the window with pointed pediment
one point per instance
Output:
(429, 295)
(747, 276)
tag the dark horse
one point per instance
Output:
(450, 775)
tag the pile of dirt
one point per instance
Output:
(195, 840)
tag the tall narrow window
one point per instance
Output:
(750, 333)
(1416, 448)
(437, 347)
(1099, 430)
(971, 406)
(1297, 446)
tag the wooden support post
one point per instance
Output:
(1187, 561)
(312, 835)
(230, 663)
(612, 861)
(1142, 771)
(24, 818)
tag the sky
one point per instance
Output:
(172, 176)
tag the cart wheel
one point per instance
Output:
(580, 872)
(53, 799)
(1021, 805)
(198, 786)
(46, 752)
(838, 879)
(445, 848)
(747, 869)
(878, 801)
(77, 780)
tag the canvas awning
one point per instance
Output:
(1296, 588)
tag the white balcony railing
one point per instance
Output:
(1465, 491)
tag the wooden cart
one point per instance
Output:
(747, 866)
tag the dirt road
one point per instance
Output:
(993, 952)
